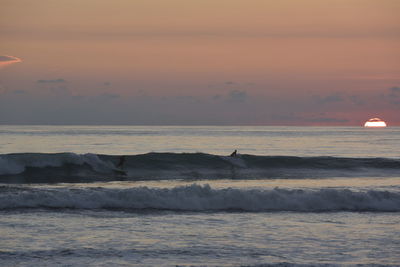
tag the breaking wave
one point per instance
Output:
(198, 198)
(71, 167)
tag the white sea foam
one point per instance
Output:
(17, 163)
(201, 198)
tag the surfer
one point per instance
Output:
(119, 170)
(121, 162)
(234, 153)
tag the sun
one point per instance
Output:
(375, 122)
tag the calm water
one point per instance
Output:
(329, 214)
(294, 141)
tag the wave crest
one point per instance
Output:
(70, 167)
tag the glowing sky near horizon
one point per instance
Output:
(306, 62)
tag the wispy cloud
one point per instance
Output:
(333, 98)
(237, 96)
(8, 60)
(393, 95)
(109, 96)
(59, 80)
(327, 120)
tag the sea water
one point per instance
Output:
(292, 196)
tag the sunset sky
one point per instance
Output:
(219, 62)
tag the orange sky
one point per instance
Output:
(342, 53)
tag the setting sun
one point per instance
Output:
(375, 122)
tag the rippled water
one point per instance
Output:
(216, 239)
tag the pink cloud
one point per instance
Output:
(8, 60)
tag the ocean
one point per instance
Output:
(172, 196)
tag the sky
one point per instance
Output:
(208, 62)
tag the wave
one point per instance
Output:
(71, 167)
(200, 198)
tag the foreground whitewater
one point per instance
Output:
(196, 198)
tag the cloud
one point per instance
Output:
(19, 92)
(394, 90)
(327, 120)
(237, 96)
(394, 95)
(53, 87)
(109, 96)
(357, 100)
(216, 97)
(50, 103)
(8, 60)
(333, 98)
(59, 80)
(286, 116)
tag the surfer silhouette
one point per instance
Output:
(120, 166)
(121, 162)
(234, 153)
